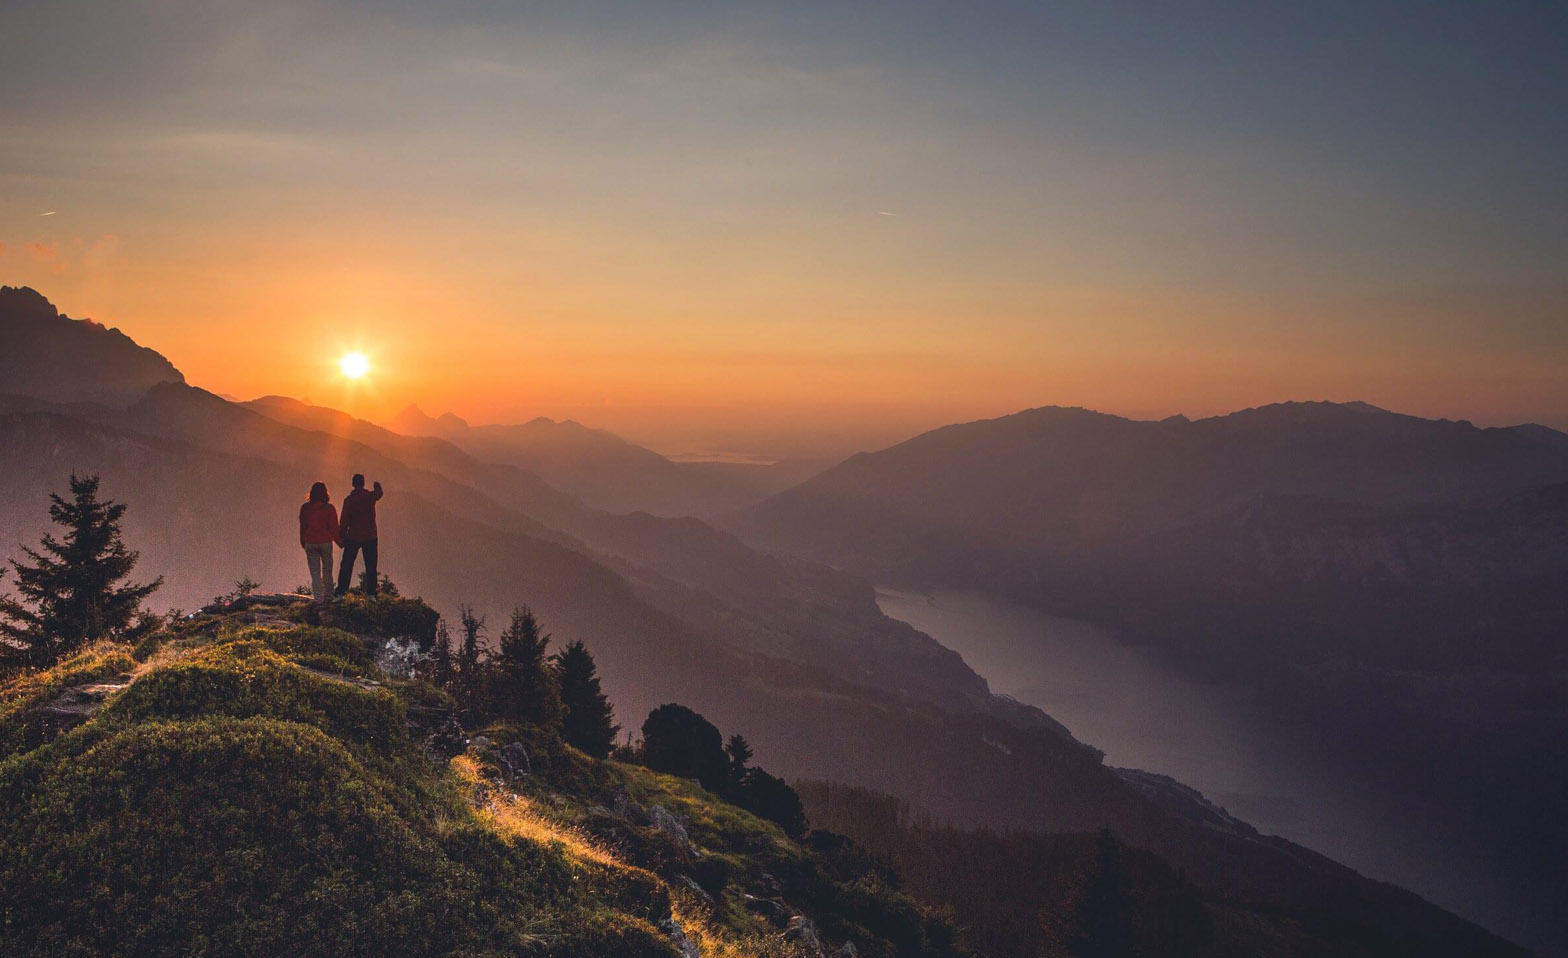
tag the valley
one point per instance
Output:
(1144, 714)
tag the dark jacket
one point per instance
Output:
(359, 515)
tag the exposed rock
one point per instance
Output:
(669, 825)
(849, 950)
(80, 701)
(775, 911)
(802, 931)
(622, 804)
(696, 889)
(446, 742)
(400, 657)
(768, 885)
(677, 936)
(514, 759)
(481, 742)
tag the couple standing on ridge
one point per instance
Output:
(319, 528)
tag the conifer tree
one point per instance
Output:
(523, 687)
(589, 720)
(468, 675)
(739, 752)
(440, 668)
(70, 591)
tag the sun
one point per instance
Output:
(354, 365)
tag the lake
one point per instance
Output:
(1143, 714)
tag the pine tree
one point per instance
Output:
(589, 721)
(440, 667)
(523, 687)
(468, 676)
(739, 752)
(70, 592)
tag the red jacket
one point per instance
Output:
(318, 523)
(359, 515)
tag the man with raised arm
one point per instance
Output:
(357, 527)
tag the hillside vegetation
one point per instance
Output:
(255, 782)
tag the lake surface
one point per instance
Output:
(1143, 714)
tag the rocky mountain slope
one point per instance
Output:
(251, 783)
(792, 654)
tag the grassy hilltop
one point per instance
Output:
(253, 783)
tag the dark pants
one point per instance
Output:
(346, 568)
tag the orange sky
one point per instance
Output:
(768, 234)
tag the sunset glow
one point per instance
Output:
(679, 226)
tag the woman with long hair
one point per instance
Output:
(318, 530)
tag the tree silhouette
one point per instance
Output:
(468, 675)
(679, 741)
(440, 669)
(70, 591)
(739, 753)
(589, 721)
(522, 686)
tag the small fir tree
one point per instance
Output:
(739, 753)
(70, 591)
(523, 687)
(589, 719)
(468, 675)
(440, 667)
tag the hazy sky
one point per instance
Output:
(746, 224)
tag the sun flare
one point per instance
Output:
(354, 365)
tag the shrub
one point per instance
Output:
(678, 741)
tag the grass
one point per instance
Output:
(256, 790)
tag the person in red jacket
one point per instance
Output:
(318, 529)
(358, 532)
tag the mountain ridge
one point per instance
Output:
(786, 651)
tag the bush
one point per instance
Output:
(678, 741)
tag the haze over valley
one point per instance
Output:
(784, 480)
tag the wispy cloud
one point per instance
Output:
(50, 213)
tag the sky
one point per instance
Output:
(805, 228)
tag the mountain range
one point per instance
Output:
(1388, 584)
(608, 472)
(788, 650)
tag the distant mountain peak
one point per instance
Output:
(51, 356)
(26, 301)
(414, 421)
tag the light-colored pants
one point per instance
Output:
(318, 555)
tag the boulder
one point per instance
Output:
(446, 742)
(514, 760)
(668, 824)
(771, 909)
(802, 932)
(677, 936)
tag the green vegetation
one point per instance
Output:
(520, 684)
(588, 720)
(680, 742)
(70, 588)
(256, 784)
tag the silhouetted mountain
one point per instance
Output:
(1389, 584)
(792, 654)
(52, 356)
(606, 471)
